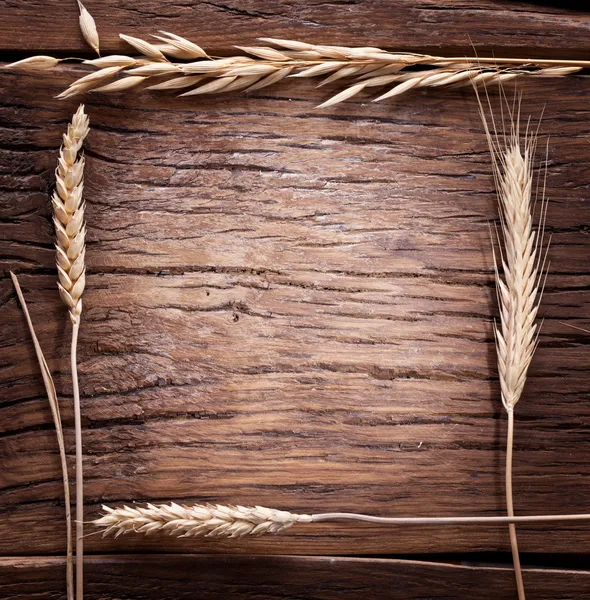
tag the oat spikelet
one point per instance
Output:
(184, 47)
(35, 63)
(68, 211)
(144, 47)
(206, 520)
(122, 84)
(88, 28)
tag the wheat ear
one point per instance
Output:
(201, 519)
(216, 520)
(54, 405)
(520, 288)
(70, 227)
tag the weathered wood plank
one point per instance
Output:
(319, 337)
(500, 25)
(274, 577)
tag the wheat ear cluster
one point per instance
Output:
(172, 63)
(206, 520)
(68, 211)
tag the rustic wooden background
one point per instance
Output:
(292, 307)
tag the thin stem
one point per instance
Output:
(515, 61)
(54, 405)
(69, 553)
(431, 61)
(448, 520)
(510, 506)
(79, 473)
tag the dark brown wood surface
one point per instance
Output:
(218, 577)
(501, 26)
(292, 307)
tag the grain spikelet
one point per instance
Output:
(90, 81)
(88, 28)
(155, 69)
(144, 47)
(344, 95)
(34, 63)
(264, 53)
(178, 83)
(189, 49)
(114, 60)
(216, 85)
(98, 76)
(270, 79)
(122, 84)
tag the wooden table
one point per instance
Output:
(293, 307)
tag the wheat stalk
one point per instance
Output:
(70, 227)
(520, 289)
(262, 66)
(54, 405)
(216, 520)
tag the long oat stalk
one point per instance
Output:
(520, 288)
(216, 520)
(173, 63)
(70, 227)
(54, 405)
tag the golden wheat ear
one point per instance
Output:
(54, 405)
(68, 216)
(519, 271)
(209, 520)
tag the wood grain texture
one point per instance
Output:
(273, 577)
(291, 308)
(501, 26)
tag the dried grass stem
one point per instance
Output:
(55, 413)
